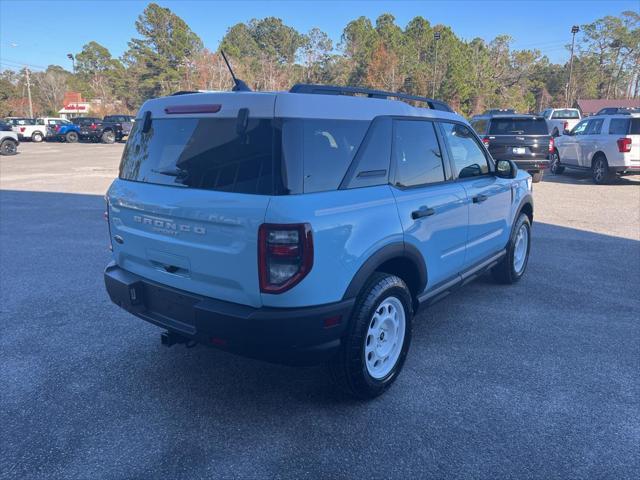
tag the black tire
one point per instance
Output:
(8, 147)
(71, 137)
(506, 272)
(37, 137)
(108, 136)
(600, 172)
(537, 177)
(349, 367)
(555, 167)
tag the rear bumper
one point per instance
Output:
(532, 165)
(627, 169)
(283, 335)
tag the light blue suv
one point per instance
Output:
(308, 226)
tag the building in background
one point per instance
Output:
(73, 105)
(592, 106)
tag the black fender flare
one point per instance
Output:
(526, 200)
(386, 253)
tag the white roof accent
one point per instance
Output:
(292, 105)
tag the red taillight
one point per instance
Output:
(552, 144)
(624, 145)
(22, 129)
(285, 255)
(93, 126)
(485, 140)
(56, 127)
(566, 126)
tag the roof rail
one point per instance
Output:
(184, 92)
(371, 93)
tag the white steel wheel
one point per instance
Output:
(385, 337)
(520, 249)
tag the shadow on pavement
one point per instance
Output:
(536, 379)
(579, 177)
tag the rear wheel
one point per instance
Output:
(375, 347)
(71, 137)
(108, 136)
(555, 167)
(8, 147)
(513, 265)
(600, 170)
(37, 137)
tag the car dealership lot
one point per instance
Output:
(535, 380)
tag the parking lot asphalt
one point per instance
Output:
(536, 380)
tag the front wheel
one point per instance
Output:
(8, 147)
(108, 137)
(513, 265)
(37, 137)
(375, 346)
(71, 137)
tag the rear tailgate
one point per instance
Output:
(521, 138)
(181, 214)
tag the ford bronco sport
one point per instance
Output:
(308, 226)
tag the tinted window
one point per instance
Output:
(619, 126)
(635, 126)
(371, 165)
(480, 126)
(468, 156)
(326, 147)
(566, 114)
(205, 153)
(417, 153)
(518, 126)
(594, 127)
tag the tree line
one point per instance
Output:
(471, 76)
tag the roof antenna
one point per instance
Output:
(239, 85)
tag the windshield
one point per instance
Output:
(518, 126)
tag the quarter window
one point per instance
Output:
(619, 126)
(417, 153)
(467, 154)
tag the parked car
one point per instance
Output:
(521, 138)
(90, 128)
(59, 129)
(8, 140)
(618, 110)
(120, 125)
(27, 129)
(561, 119)
(607, 145)
(223, 235)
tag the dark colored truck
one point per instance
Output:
(108, 130)
(524, 139)
(119, 124)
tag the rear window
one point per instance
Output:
(566, 115)
(518, 126)
(271, 157)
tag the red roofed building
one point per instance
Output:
(592, 106)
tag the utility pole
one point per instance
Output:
(26, 71)
(73, 65)
(575, 29)
(436, 38)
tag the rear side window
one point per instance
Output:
(518, 126)
(566, 115)
(417, 153)
(326, 148)
(480, 126)
(635, 126)
(619, 126)
(205, 153)
(467, 154)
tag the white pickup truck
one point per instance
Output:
(560, 120)
(27, 129)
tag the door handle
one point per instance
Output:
(422, 212)
(479, 198)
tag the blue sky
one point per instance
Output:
(40, 33)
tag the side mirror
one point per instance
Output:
(567, 132)
(506, 169)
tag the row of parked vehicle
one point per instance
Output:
(109, 129)
(607, 144)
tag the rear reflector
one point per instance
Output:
(332, 321)
(178, 109)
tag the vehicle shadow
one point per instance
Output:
(544, 358)
(579, 177)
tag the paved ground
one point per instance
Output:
(537, 380)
